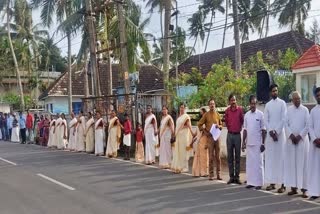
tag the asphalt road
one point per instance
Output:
(36, 180)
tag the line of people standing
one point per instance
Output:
(282, 144)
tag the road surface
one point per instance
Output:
(37, 180)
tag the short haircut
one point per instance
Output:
(81, 112)
(295, 93)
(252, 97)
(211, 99)
(317, 90)
(182, 104)
(204, 109)
(164, 106)
(149, 106)
(272, 86)
(230, 96)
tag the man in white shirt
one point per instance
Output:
(297, 146)
(314, 151)
(274, 117)
(254, 134)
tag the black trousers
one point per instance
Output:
(234, 152)
(126, 151)
(23, 135)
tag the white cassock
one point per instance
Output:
(313, 176)
(58, 134)
(274, 118)
(52, 140)
(296, 156)
(80, 145)
(72, 134)
(254, 124)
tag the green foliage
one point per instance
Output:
(219, 83)
(14, 100)
(222, 80)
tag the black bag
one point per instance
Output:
(173, 140)
(262, 148)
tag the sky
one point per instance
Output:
(186, 9)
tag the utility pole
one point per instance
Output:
(177, 39)
(124, 54)
(92, 45)
(166, 42)
(236, 36)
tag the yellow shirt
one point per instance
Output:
(209, 118)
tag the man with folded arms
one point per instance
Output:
(208, 119)
(254, 134)
(274, 116)
(314, 151)
(234, 122)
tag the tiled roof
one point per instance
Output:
(310, 58)
(150, 78)
(268, 45)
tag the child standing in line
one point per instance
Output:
(139, 156)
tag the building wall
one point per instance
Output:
(59, 104)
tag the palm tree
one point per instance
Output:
(245, 19)
(153, 4)
(293, 12)
(64, 10)
(226, 21)
(261, 12)
(236, 36)
(9, 14)
(197, 28)
(211, 6)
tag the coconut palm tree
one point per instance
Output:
(15, 61)
(211, 7)
(197, 28)
(261, 12)
(292, 13)
(157, 4)
(63, 11)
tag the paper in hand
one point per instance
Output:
(215, 132)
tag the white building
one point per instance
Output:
(307, 70)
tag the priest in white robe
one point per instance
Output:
(73, 132)
(151, 136)
(275, 115)
(254, 134)
(296, 147)
(80, 145)
(313, 185)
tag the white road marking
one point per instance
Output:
(56, 182)
(7, 161)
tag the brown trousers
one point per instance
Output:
(214, 155)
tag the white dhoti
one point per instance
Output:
(127, 140)
(254, 166)
(15, 135)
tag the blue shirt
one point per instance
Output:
(22, 122)
(9, 122)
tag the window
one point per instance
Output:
(308, 85)
(77, 106)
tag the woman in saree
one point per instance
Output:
(184, 137)
(52, 139)
(166, 132)
(200, 160)
(89, 134)
(99, 135)
(114, 134)
(151, 136)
